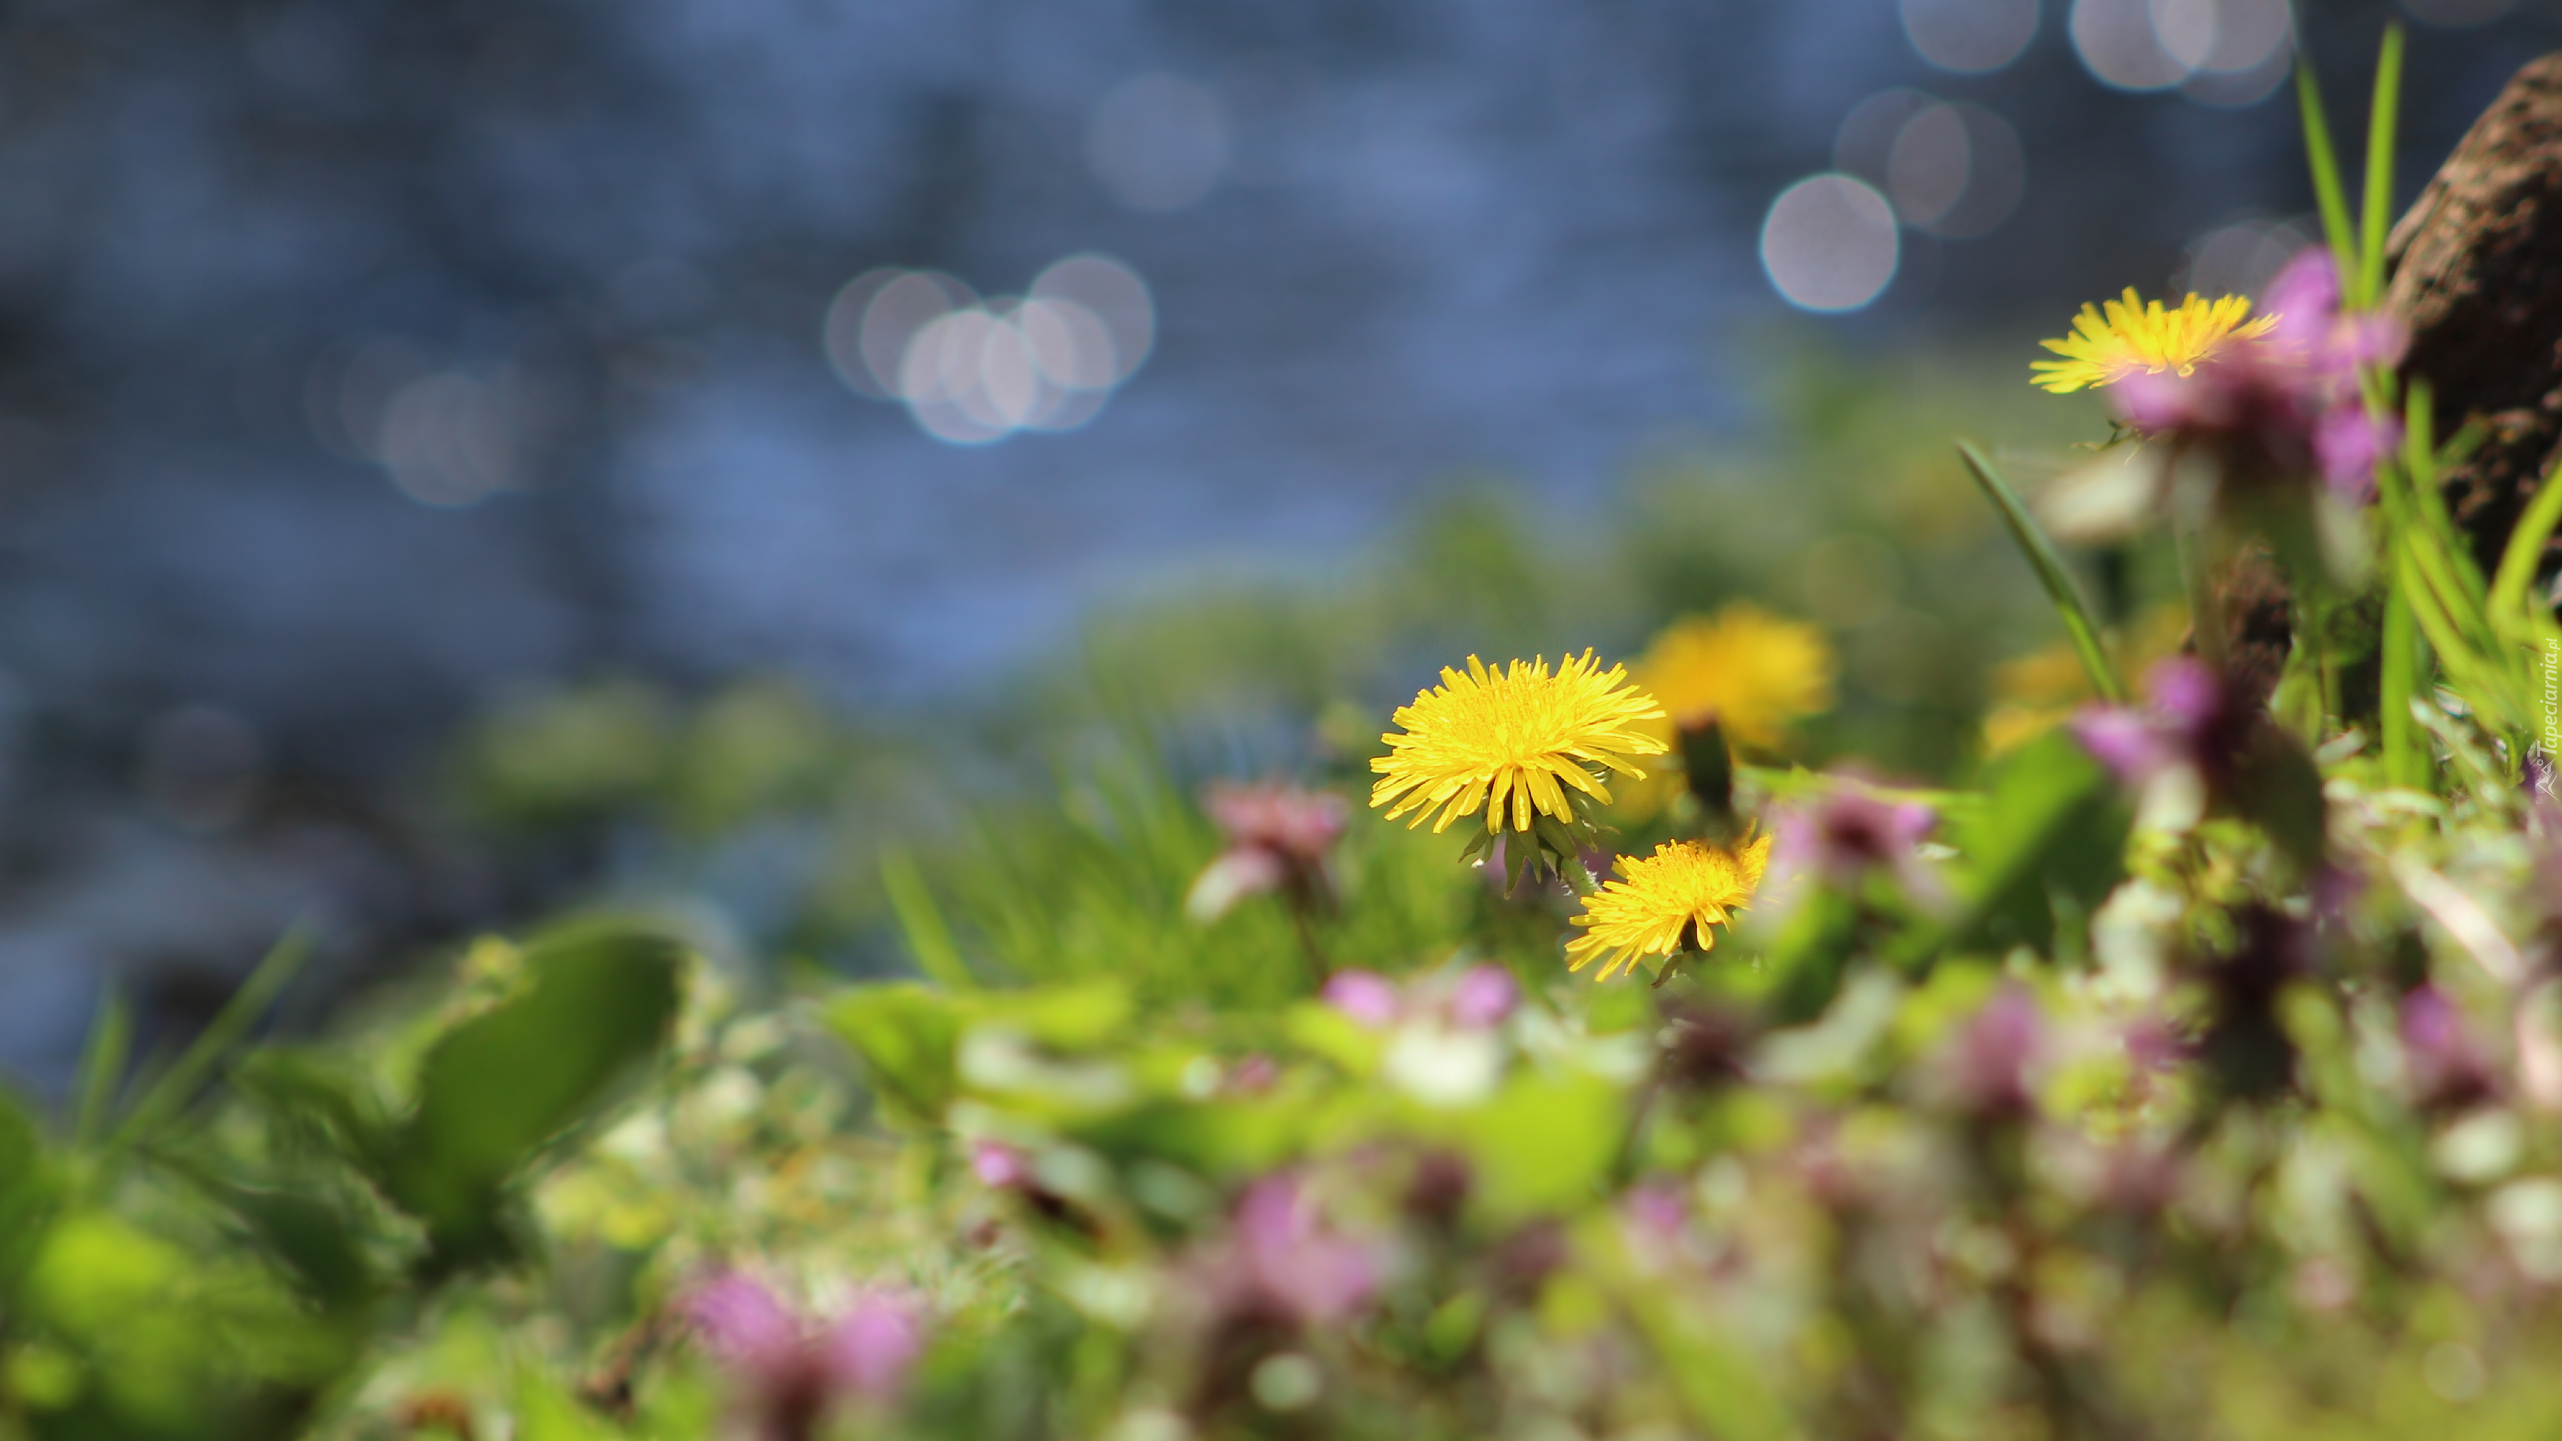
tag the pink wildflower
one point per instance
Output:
(791, 1369)
(1279, 838)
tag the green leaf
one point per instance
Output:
(310, 1235)
(905, 1034)
(1076, 1017)
(1224, 1139)
(2518, 560)
(170, 1093)
(2327, 190)
(2279, 789)
(492, 1091)
(102, 1069)
(929, 937)
(1542, 1144)
(2051, 573)
(2406, 759)
(29, 1188)
(1807, 959)
(320, 1099)
(2378, 219)
(2053, 824)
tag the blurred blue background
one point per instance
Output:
(365, 361)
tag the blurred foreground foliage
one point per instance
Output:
(2106, 1113)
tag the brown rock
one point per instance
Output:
(2477, 275)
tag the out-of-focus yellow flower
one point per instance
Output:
(1514, 741)
(1658, 902)
(2132, 335)
(2038, 691)
(1754, 673)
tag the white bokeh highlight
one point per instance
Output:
(973, 372)
(1953, 170)
(1969, 37)
(2217, 52)
(1830, 243)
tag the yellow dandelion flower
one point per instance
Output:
(1512, 741)
(1659, 901)
(2133, 336)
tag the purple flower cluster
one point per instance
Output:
(1278, 839)
(1851, 833)
(2288, 403)
(1281, 1265)
(1479, 998)
(2194, 720)
(792, 1369)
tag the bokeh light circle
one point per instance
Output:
(1830, 243)
(2239, 258)
(1969, 37)
(1929, 165)
(2121, 44)
(974, 371)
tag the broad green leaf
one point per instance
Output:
(1542, 1144)
(1074, 1017)
(2053, 822)
(1227, 1139)
(598, 1002)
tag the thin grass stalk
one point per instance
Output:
(929, 937)
(2327, 192)
(2382, 119)
(2061, 589)
(2526, 547)
(2405, 763)
(171, 1092)
(102, 1067)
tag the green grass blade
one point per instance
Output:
(2060, 588)
(2378, 219)
(2526, 546)
(2405, 763)
(2327, 190)
(177, 1085)
(929, 937)
(102, 1067)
